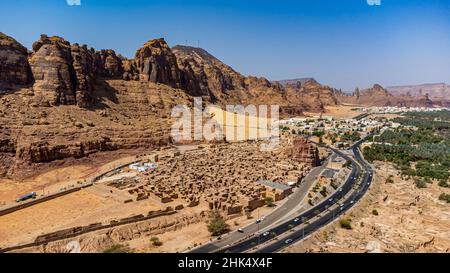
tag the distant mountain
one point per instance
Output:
(379, 96)
(212, 78)
(295, 81)
(436, 91)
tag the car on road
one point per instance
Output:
(259, 221)
(331, 200)
(296, 220)
(240, 230)
(265, 234)
(288, 241)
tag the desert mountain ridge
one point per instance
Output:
(62, 101)
(436, 91)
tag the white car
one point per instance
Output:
(296, 220)
(265, 234)
(288, 241)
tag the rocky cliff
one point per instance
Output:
(66, 100)
(14, 66)
(43, 116)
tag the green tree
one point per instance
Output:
(269, 201)
(155, 241)
(217, 225)
(117, 248)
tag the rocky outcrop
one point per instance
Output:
(109, 64)
(14, 67)
(203, 74)
(40, 152)
(54, 75)
(156, 63)
(84, 66)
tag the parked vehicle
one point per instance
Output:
(26, 197)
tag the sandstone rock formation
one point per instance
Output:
(109, 64)
(129, 100)
(203, 74)
(14, 67)
(85, 73)
(156, 63)
(54, 75)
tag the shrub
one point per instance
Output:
(390, 179)
(217, 225)
(269, 201)
(443, 184)
(421, 184)
(445, 197)
(345, 223)
(155, 241)
(375, 212)
(117, 248)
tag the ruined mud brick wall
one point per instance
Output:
(304, 151)
(76, 231)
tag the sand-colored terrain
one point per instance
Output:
(338, 112)
(409, 220)
(50, 181)
(92, 205)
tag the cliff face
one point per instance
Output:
(157, 63)
(66, 74)
(53, 73)
(14, 67)
(43, 116)
(205, 75)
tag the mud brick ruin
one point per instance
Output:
(304, 151)
(221, 177)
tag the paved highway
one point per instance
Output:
(293, 205)
(267, 238)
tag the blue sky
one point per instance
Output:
(343, 43)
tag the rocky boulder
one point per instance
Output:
(84, 66)
(110, 64)
(54, 75)
(156, 63)
(14, 67)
